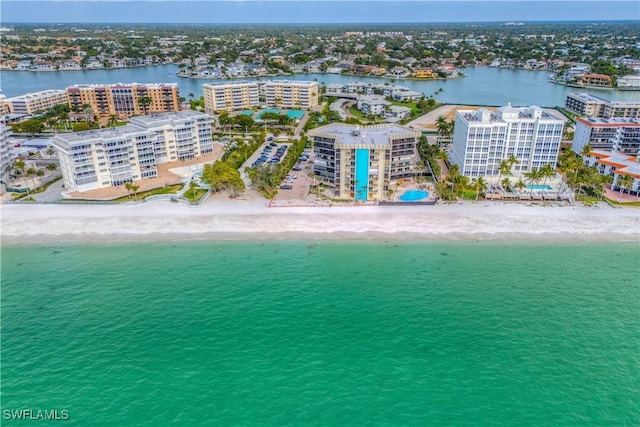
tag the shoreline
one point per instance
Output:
(248, 220)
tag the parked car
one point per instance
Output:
(286, 187)
(296, 168)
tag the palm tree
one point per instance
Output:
(504, 168)
(547, 171)
(512, 160)
(128, 186)
(19, 165)
(144, 102)
(506, 183)
(520, 185)
(192, 187)
(586, 150)
(533, 176)
(134, 188)
(480, 185)
(113, 119)
(625, 182)
(52, 166)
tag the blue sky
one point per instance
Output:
(298, 11)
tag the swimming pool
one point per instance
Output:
(413, 195)
(539, 187)
(295, 114)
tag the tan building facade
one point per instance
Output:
(123, 100)
(291, 94)
(230, 97)
(35, 102)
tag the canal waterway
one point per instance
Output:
(480, 86)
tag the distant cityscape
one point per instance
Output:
(359, 141)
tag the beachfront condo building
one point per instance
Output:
(585, 104)
(482, 139)
(124, 100)
(360, 162)
(5, 151)
(291, 94)
(618, 134)
(36, 102)
(114, 156)
(616, 165)
(236, 96)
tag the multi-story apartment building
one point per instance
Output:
(360, 162)
(291, 94)
(36, 101)
(482, 139)
(229, 97)
(600, 80)
(5, 151)
(585, 104)
(615, 164)
(114, 156)
(124, 100)
(617, 134)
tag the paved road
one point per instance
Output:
(53, 193)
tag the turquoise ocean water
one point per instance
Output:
(323, 333)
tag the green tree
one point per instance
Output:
(113, 120)
(144, 102)
(222, 176)
(82, 126)
(32, 126)
(479, 185)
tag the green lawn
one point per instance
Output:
(171, 189)
(200, 192)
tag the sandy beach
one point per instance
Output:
(252, 219)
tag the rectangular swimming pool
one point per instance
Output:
(539, 187)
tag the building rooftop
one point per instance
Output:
(609, 122)
(36, 95)
(148, 85)
(625, 164)
(378, 135)
(508, 113)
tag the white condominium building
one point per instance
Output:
(291, 94)
(5, 150)
(114, 156)
(36, 101)
(229, 97)
(585, 104)
(482, 139)
(618, 134)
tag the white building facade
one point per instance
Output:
(482, 139)
(617, 134)
(114, 156)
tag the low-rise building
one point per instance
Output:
(597, 80)
(5, 151)
(424, 73)
(616, 165)
(482, 139)
(235, 96)
(372, 104)
(616, 133)
(360, 162)
(631, 81)
(114, 156)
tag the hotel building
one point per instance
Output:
(114, 156)
(230, 97)
(618, 134)
(585, 104)
(37, 101)
(291, 94)
(615, 164)
(482, 139)
(360, 162)
(123, 99)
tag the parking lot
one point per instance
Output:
(300, 185)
